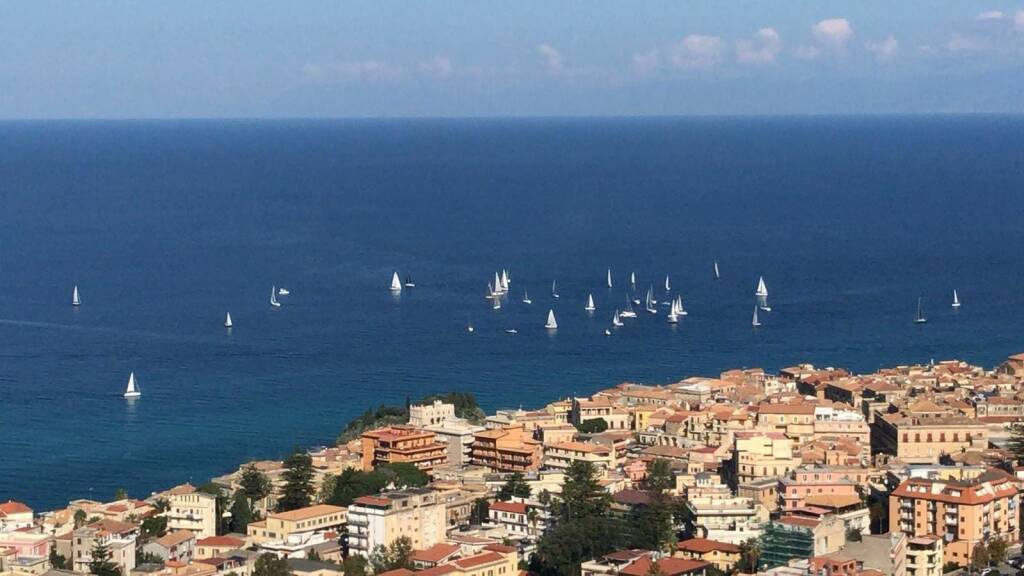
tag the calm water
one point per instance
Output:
(165, 226)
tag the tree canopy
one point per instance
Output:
(101, 563)
(593, 426)
(298, 477)
(515, 486)
(270, 565)
(396, 555)
(388, 415)
(255, 484)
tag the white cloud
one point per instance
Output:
(990, 15)
(1018, 20)
(807, 52)
(962, 43)
(833, 33)
(647, 63)
(351, 71)
(762, 49)
(696, 51)
(438, 66)
(884, 50)
(552, 58)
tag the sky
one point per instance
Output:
(469, 58)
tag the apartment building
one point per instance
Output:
(732, 520)
(925, 439)
(509, 449)
(924, 556)
(119, 537)
(761, 455)
(290, 534)
(721, 555)
(561, 455)
(191, 510)
(961, 512)
(378, 520)
(405, 444)
(179, 546)
(802, 483)
(14, 516)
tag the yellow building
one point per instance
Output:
(191, 510)
(417, 513)
(723, 555)
(508, 449)
(286, 526)
(924, 556)
(763, 455)
(402, 444)
(563, 454)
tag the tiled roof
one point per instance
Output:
(703, 545)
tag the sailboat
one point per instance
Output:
(650, 301)
(526, 298)
(667, 285)
(679, 306)
(755, 322)
(590, 303)
(504, 279)
(132, 391)
(490, 292)
(469, 324)
(227, 321)
(511, 331)
(551, 324)
(609, 281)
(273, 295)
(75, 299)
(919, 318)
(616, 321)
(497, 304)
(396, 284)
(607, 332)
(554, 294)
(283, 292)
(628, 312)
(717, 275)
(672, 316)
(408, 281)
(956, 299)
(762, 295)
(498, 288)
(632, 280)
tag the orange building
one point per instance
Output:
(961, 512)
(408, 444)
(508, 449)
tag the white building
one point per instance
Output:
(193, 511)
(417, 513)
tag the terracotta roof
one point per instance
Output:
(478, 560)
(221, 542)
(780, 408)
(372, 501)
(174, 538)
(435, 553)
(12, 507)
(704, 545)
(397, 572)
(500, 548)
(797, 521)
(832, 500)
(437, 570)
(513, 507)
(666, 566)
(632, 497)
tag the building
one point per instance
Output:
(763, 455)
(792, 537)
(301, 567)
(457, 436)
(816, 481)
(961, 512)
(519, 519)
(924, 556)
(14, 516)
(925, 439)
(405, 444)
(508, 449)
(289, 534)
(378, 520)
(179, 545)
(721, 555)
(25, 544)
(192, 510)
(430, 414)
(119, 537)
(217, 546)
(561, 455)
(732, 520)
(601, 407)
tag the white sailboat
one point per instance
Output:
(668, 287)
(590, 303)
(511, 331)
(504, 279)
(632, 280)
(672, 316)
(717, 275)
(408, 281)
(762, 295)
(469, 324)
(956, 299)
(755, 322)
(132, 391)
(498, 288)
(273, 296)
(497, 304)
(616, 321)
(554, 293)
(650, 301)
(75, 299)
(490, 292)
(679, 306)
(609, 280)
(227, 321)
(607, 332)
(396, 284)
(526, 298)
(283, 292)
(919, 317)
(628, 312)
(551, 324)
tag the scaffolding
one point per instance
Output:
(780, 543)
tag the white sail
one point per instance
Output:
(526, 298)
(396, 284)
(919, 318)
(283, 292)
(762, 290)
(616, 321)
(227, 320)
(755, 322)
(717, 276)
(504, 279)
(650, 301)
(609, 281)
(498, 289)
(75, 300)
(632, 279)
(673, 317)
(273, 296)
(551, 323)
(667, 285)
(132, 391)
(554, 293)
(956, 299)
(590, 303)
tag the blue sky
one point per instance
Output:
(185, 58)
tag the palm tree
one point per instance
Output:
(532, 517)
(750, 555)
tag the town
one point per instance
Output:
(909, 471)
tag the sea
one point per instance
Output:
(165, 226)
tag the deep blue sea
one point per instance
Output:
(165, 226)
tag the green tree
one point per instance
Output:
(220, 504)
(101, 564)
(153, 527)
(403, 475)
(355, 565)
(148, 558)
(515, 486)
(352, 484)
(532, 516)
(582, 495)
(161, 505)
(997, 550)
(593, 426)
(241, 513)
(660, 477)
(1015, 445)
(298, 482)
(120, 494)
(854, 535)
(980, 556)
(57, 561)
(255, 484)
(271, 565)
(80, 518)
(750, 556)
(396, 555)
(478, 513)
(879, 516)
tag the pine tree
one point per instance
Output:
(298, 488)
(515, 486)
(255, 484)
(241, 513)
(101, 564)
